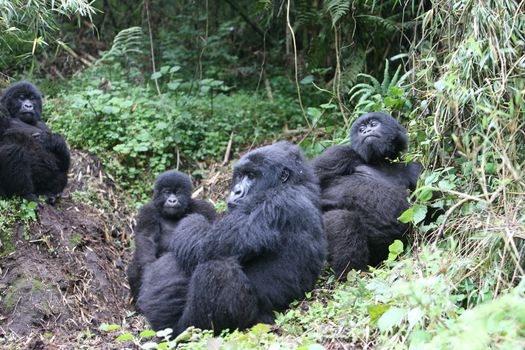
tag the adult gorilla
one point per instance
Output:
(266, 251)
(33, 160)
(364, 192)
(158, 219)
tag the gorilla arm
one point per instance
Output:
(237, 234)
(199, 206)
(337, 160)
(146, 238)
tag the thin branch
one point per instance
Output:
(295, 64)
(148, 16)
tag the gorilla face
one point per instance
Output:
(23, 101)
(254, 174)
(376, 136)
(172, 194)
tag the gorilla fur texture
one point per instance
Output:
(364, 192)
(266, 251)
(158, 219)
(33, 160)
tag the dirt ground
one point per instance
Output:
(67, 274)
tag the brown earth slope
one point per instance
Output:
(67, 273)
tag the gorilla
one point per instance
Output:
(363, 192)
(33, 160)
(267, 250)
(158, 219)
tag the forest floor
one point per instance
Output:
(67, 273)
(66, 276)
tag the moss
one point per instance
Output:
(20, 285)
(13, 293)
(6, 242)
(75, 240)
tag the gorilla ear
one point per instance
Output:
(285, 174)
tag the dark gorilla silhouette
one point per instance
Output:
(33, 160)
(266, 251)
(158, 219)
(364, 192)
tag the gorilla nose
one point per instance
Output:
(28, 106)
(236, 194)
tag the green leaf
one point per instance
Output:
(445, 185)
(407, 216)
(261, 328)
(174, 69)
(376, 311)
(307, 80)
(420, 212)
(108, 327)
(164, 333)
(415, 315)
(147, 333)
(425, 194)
(156, 75)
(149, 345)
(394, 250)
(125, 337)
(391, 318)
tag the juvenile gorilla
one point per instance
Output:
(158, 219)
(33, 160)
(266, 251)
(364, 192)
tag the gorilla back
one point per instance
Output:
(265, 252)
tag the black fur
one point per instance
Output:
(267, 250)
(364, 192)
(33, 160)
(157, 221)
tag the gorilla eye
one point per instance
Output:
(251, 175)
(361, 128)
(373, 123)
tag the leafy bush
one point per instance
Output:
(135, 130)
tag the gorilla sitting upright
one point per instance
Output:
(33, 160)
(267, 250)
(158, 219)
(364, 192)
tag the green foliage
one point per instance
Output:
(137, 132)
(14, 211)
(388, 95)
(28, 27)
(394, 306)
(259, 336)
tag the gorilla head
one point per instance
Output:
(266, 168)
(172, 194)
(23, 101)
(376, 136)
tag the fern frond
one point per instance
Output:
(337, 9)
(126, 41)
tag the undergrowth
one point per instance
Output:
(138, 133)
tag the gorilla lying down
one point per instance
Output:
(33, 160)
(264, 252)
(157, 221)
(364, 192)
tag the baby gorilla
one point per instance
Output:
(364, 192)
(158, 219)
(264, 252)
(33, 160)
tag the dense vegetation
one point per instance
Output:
(153, 85)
